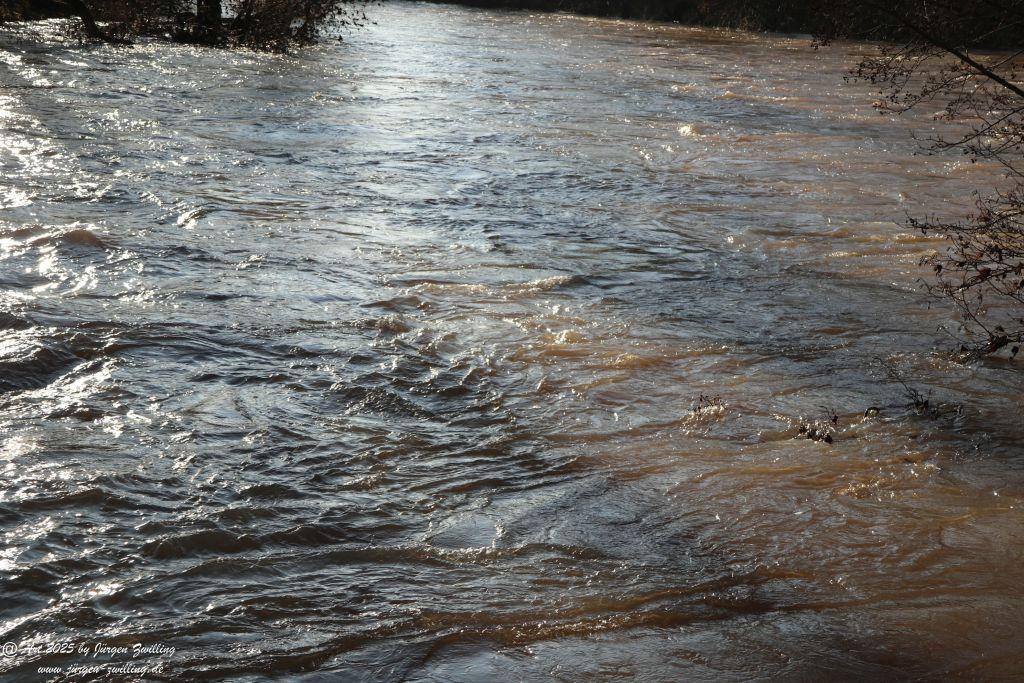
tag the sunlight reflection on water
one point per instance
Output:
(481, 343)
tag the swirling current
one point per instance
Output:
(477, 347)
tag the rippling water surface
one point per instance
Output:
(385, 361)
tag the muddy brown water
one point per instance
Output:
(384, 361)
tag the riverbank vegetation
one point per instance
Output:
(937, 63)
(275, 25)
(992, 21)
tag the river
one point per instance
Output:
(477, 347)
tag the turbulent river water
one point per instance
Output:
(477, 347)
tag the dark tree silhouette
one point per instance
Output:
(260, 24)
(981, 94)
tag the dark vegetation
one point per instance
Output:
(822, 429)
(275, 25)
(870, 19)
(939, 63)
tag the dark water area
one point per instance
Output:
(384, 361)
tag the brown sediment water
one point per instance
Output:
(477, 347)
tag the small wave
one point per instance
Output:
(633, 361)
(76, 237)
(11, 322)
(30, 363)
(205, 542)
(545, 284)
(88, 497)
(391, 324)
(270, 491)
(505, 290)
